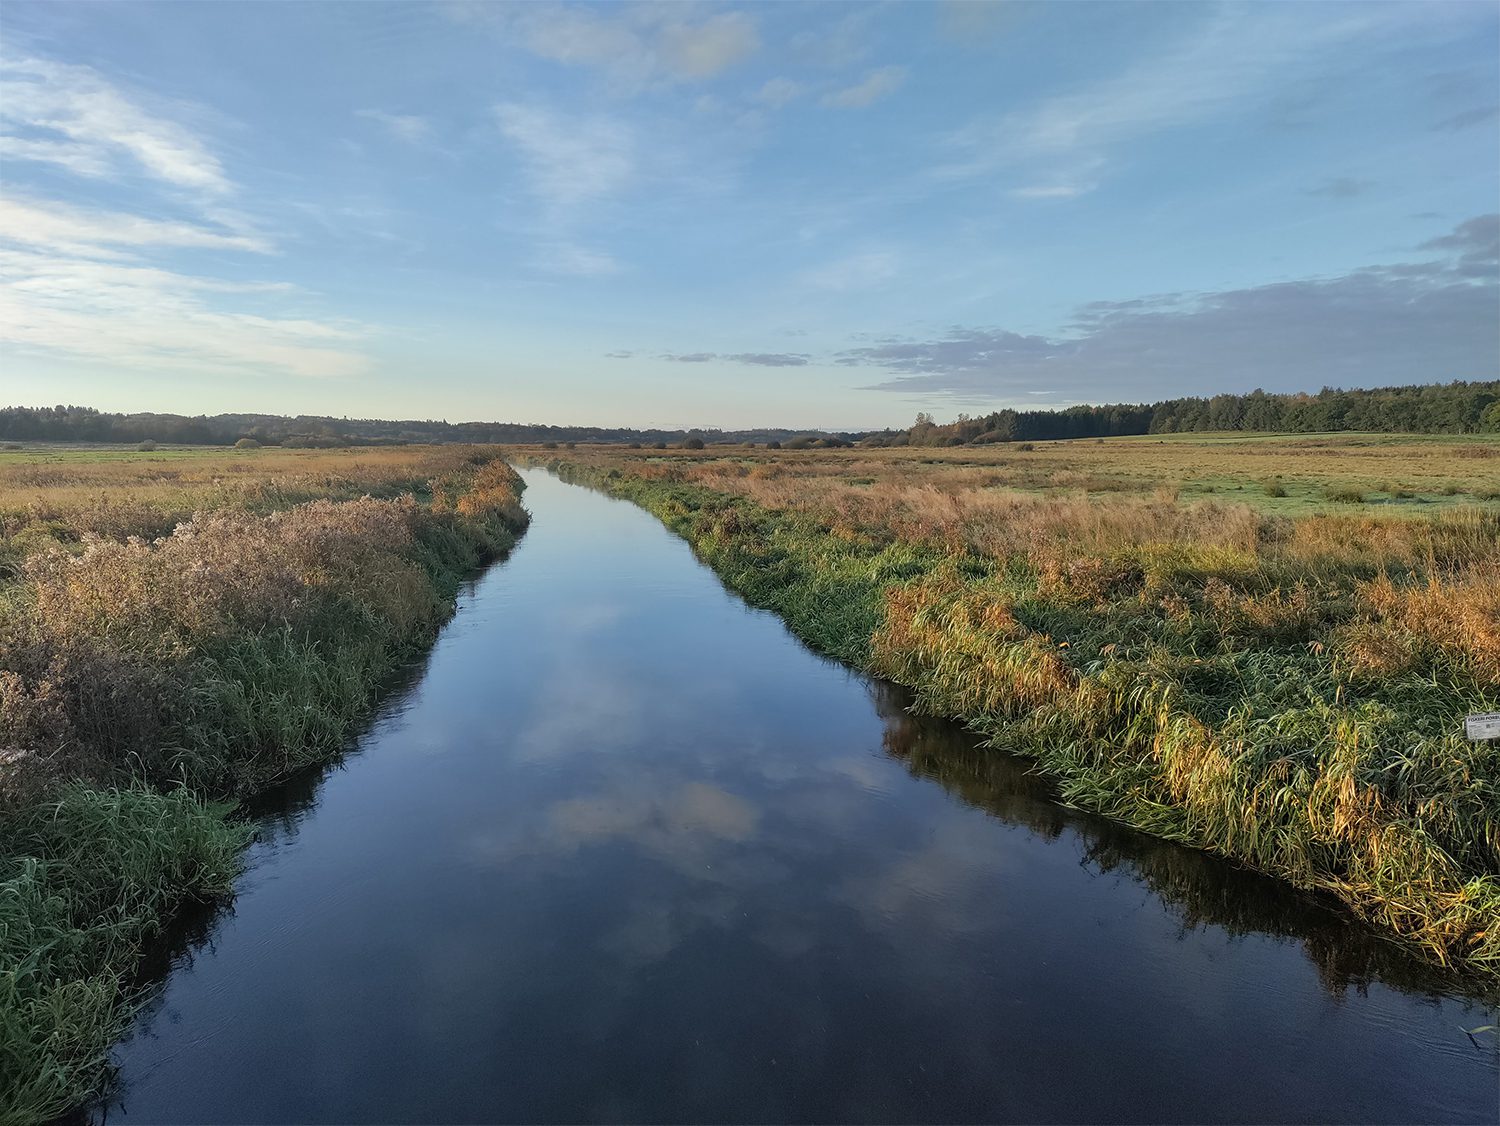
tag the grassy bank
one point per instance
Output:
(1287, 690)
(177, 632)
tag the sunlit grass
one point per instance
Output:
(1285, 689)
(175, 629)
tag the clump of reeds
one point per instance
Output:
(240, 645)
(1288, 692)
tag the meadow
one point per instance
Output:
(178, 630)
(1260, 646)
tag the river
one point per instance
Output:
(623, 849)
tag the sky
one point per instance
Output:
(794, 214)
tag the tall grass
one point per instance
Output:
(139, 677)
(1287, 692)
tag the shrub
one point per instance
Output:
(693, 444)
(773, 445)
(247, 444)
(1026, 447)
(1344, 494)
(147, 446)
(1274, 489)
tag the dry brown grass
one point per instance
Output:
(118, 493)
(1268, 676)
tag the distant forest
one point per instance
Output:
(84, 424)
(1428, 408)
(1433, 408)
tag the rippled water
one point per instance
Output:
(624, 850)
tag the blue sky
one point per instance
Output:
(692, 214)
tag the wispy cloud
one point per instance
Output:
(779, 92)
(857, 271)
(1468, 118)
(771, 359)
(875, 86)
(569, 160)
(1052, 191)
(409, 127)
(107, 286)
(635, 45)
(702, 50)
(1230, 59)
(130, 316)
(570, 164)
(1341, 187)
(754, 359)
(103, 234)
(71, 117)
(1408, 322)
(577, 261)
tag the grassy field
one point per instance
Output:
(1262, 646)
(179, 629)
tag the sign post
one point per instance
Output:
(1485, 725)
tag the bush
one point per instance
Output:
(693, 444)
(773, 445)
(247, 444)
(147, 446)
(1274, 489)
(1026, 447)
(1344, 494)
(658, 445)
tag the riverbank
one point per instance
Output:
(1285, 691)
(176, 637)
(614, 798)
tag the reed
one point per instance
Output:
(143, 678)
(1288, 691)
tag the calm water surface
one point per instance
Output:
(624, 850)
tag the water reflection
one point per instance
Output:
(1202, 890)
(624, 850)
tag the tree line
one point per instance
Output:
(85, 424)
(1430, 408)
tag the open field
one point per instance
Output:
(179, 628)
(1258, 646)
(1277, 474)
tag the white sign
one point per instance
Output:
(1485, 725)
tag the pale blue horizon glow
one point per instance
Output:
(714, 215)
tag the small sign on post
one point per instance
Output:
(1485, 725)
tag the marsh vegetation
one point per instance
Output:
(1260, 672)
(178, 630)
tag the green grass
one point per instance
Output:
(179, 693)
(88, 879)
(1194, 692)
